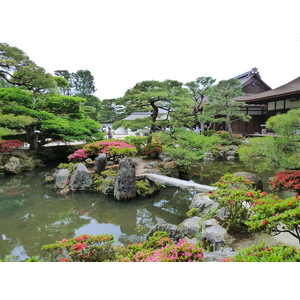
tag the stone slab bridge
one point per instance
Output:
(183, 184)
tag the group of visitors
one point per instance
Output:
(197, 129)
(107, 131)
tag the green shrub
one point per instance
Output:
(273, 215)
(236, 194)
(261, 253)
(137, 141)
(209, 132)
(84, 248)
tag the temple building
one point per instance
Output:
(262, 102)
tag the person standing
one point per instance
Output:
(109, 133)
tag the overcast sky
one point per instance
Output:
(123, 42)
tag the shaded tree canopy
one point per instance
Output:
(222, 105)
(198, 90)
(153, 96)
(36, 107)
(80, 82)
(16, 68)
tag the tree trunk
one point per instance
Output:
(228, 125)
(32, 138)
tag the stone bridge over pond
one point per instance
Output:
(183, 184)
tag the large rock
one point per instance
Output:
(218, 256)
(16, 165)
(258, 184)
(214, 234)
(81, 179)
(13, 166)
(190, 227)
(173, 231)
(62, 179)
(100, 163)
(125, 184)
(203, 203)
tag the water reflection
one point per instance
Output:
(32, 215)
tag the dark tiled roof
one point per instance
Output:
(246, 78)
(290, 88)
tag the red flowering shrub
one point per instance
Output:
(84, 248)
(10, 146)
(236, 194)
(286, 181)
(273, 215)
(152, 150)
(261, 253)
(114, 150)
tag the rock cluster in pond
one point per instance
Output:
(228, 153)
(122, 185)
(209, 230)
(12, 165)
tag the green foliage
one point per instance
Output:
(84, 248)
(154, 95)
(187, 147)
(145, 188)
(137, 141)
(261, 253)
(281, 152)
(18, 69)
(209, 132)
(193, 212)
(269, 153)
(15, 122)
(236, 194)
(222, 104)
(198, 90)
(274, 215)
(21, 97)
(285, 124)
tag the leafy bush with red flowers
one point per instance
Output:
(236, 194)
(286, 181)
(152, 150)
(10, 146)
(273, 215)
(84, 248)
(261, 253)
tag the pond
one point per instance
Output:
(32, 215)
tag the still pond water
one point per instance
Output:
(32, 215)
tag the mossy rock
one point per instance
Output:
(146, 187)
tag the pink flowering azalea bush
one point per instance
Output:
(114, 150)
(160, 248)
(78, 155)
(84, 248)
